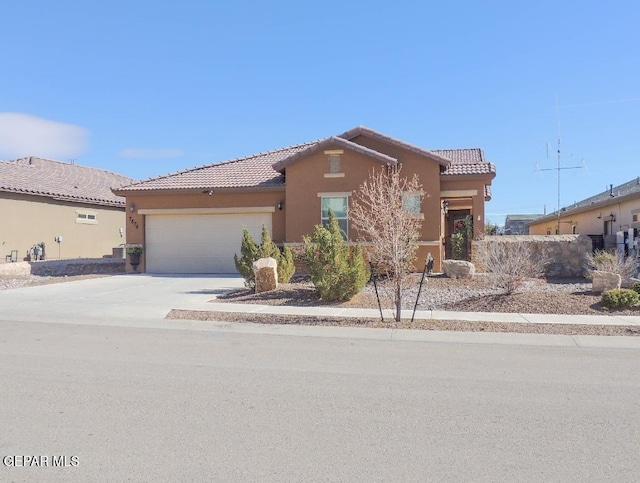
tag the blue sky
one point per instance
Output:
(145, 88)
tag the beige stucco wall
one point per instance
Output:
(26, 220)
(591, 222)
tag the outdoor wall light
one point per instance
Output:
(445, 207)
(208, 192)
(280, 205)
(132, 207)
(612, 216)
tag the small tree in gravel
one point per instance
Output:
(250, 252)
(337, 271)
(509, 264)
(384, 213)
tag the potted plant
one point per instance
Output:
(134, 251)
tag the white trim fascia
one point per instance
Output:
(334, 175)
(207, 211)
(458, 193)
(337, 194)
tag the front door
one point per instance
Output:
(458, 235)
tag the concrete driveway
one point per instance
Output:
(108, 300)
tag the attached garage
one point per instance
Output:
(198, 241)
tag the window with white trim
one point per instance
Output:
(337, 204)
(86, 217)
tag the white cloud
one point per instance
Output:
(26, 135)
(145, 153)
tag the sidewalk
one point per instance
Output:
(420, 314)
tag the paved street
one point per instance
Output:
(147, 404)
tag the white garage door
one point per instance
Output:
(198, 243)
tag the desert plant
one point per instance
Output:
(611, 262)
(337, 271)
(250, 252)
(509, 263)
(134, 249)
(620, 298)
(386, 215)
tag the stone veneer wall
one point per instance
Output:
(60, 268)
(567, 252)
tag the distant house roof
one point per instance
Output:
(264, 170)
(526, 218)
(61, 181)
(630, 189)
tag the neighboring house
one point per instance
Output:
(191, 221)
(518, 224)
(601, 216)
(41, 199)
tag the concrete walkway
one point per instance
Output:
(612, 319)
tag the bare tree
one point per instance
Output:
(385, 215)
(510, 263)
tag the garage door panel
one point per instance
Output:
(198, 243)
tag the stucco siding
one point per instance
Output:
(26, 220)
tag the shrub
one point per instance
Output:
(337, 271)
(636, 287)
(620, 298)
(612, 262)
(509, 264)
(250, 252)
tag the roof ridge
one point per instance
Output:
(340, 141)
(363, 130)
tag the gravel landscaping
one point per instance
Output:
(557, 296)
(569, 297)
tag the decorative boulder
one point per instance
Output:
(603, 281)
(458, 269)
(266, 273)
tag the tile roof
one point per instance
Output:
(610, 196)
(462, 156)
(263, 169)
(248, 172)
(471, 168)
(61, 181)
(334, 141)
(487, 192)
(365, 131)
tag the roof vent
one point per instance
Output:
(611, 191)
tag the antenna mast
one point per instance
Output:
(559, 168)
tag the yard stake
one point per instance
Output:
(428, 265)
(375, 286)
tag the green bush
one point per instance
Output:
(636, 287)
(337, 271)
(620, 298)
(250, 252)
